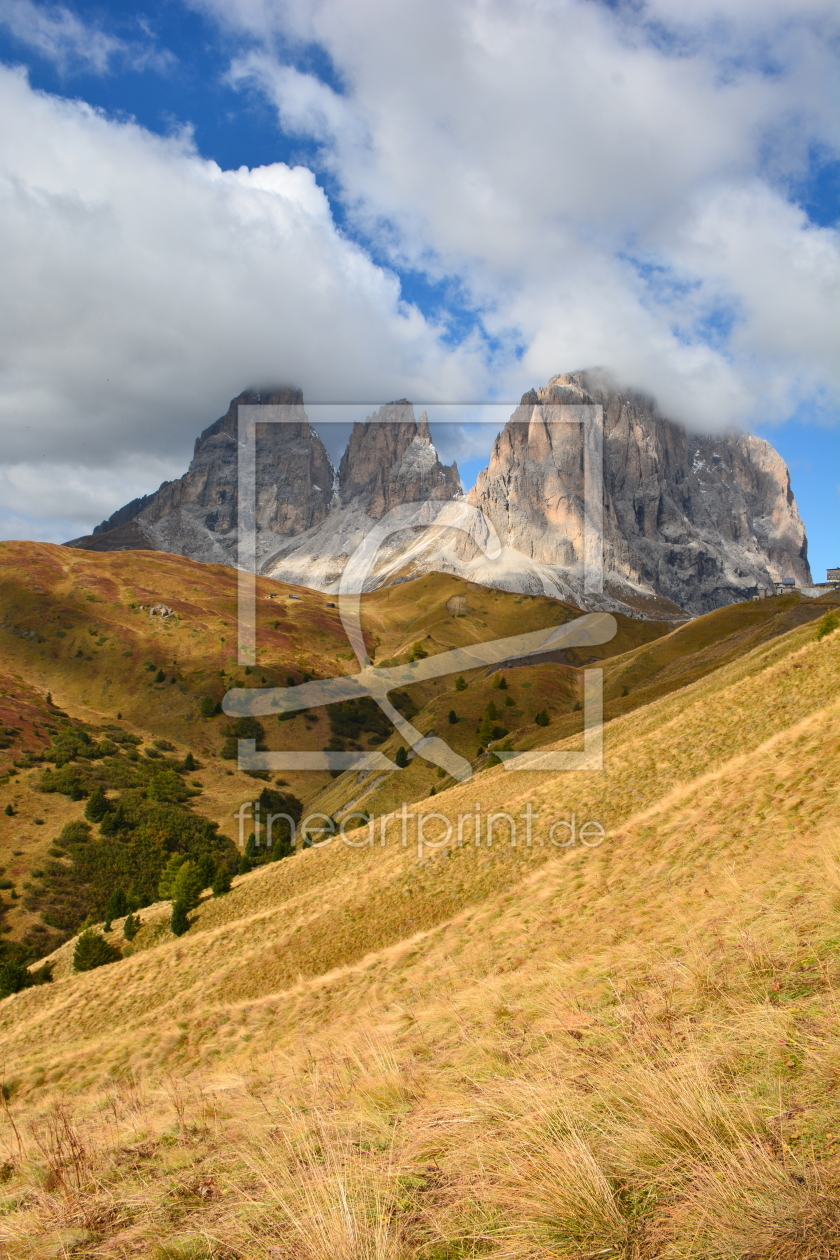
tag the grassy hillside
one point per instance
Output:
(484, 1049)
(136, 646)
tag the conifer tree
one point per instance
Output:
(453, 718)
(92, 950)
(187, 886)
(206, 870)
(460, 683)
(542, 718)
(282, 847)
(189, 763)
(401, 757)
(245, 864)
(97, 806)
(131, 927)
(485, 731)
(116, 907)
(9, 811)
(221, 883)
(13, 977)
(179, 922)
(167, 878)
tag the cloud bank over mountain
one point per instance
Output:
(631, 185)
(610, 183)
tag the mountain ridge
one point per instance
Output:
(691, 521)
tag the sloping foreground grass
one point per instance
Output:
(629, 1051)
(328, 908)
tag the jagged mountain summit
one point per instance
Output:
(691, 521)
(702, 520)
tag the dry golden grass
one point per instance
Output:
(629, 1051)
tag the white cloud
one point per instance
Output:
(57, 34)
(558, 156)
(143, 287)
(54, 500)
(606, 184)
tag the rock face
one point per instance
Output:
(390, 461)
(196, 515)
(690, 521)
(701, 520)
(310, 518)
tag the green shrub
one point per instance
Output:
(165, 785)
(351, 717)
(179, 922)
(403, 702)
(97, 806)
(76, 832)
(14, 976)
(208, 707)
(247, 728)
(92, 950)
(66, 780)
(828, 623)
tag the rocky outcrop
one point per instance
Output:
(197, 515)
(703, 520)
(690, 521)
(390, 461)
(123, 515)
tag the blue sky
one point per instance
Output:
(483, 222)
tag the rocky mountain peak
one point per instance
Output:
(690, 519)
(702, 519)
(390, 459)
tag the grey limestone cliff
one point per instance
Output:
(702, 520)
(690, 521)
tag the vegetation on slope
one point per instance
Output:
(626, 1050)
